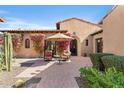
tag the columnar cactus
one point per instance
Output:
(8, 51)
(5, 49)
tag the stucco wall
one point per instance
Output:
(87, 49)
(82, 30)
(29, 52)
(113, 28)
(26, 52)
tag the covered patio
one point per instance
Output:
(57, 46)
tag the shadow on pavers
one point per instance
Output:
(34, 63)
(26, 64)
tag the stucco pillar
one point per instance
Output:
(78, 48)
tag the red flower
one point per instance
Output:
(38, 41)
(17, 41)
(64, 44)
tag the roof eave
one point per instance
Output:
(113, 8)
(77, 19)
(98, 32)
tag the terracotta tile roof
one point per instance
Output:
(113, 8)
(77, 19)
(33, 30)
(2, 19)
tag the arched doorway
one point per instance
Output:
(73, 47)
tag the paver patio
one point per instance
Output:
(59, 75)
(35, 68)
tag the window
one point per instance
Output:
(27, 43)
(87, 42)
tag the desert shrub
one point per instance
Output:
(96, 79)
(116, 61)
(96, 60)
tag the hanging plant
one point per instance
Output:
(62, 45)
(17, 42)
(38, 42)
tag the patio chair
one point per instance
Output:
(66, 55)
(48, 55)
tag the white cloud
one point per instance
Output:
(15, 23)
(3, 12)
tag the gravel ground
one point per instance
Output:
(7, 79)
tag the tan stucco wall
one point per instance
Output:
(82, 29)
(87, 49)
(29, 52)
(26, 52)
(113, 28)
(100, 35)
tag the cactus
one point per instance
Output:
(5, 48)
(8, 51)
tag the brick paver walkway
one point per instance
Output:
(61, 76)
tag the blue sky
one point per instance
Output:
(45, 17)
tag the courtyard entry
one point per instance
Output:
(73, 47)
(99, 45)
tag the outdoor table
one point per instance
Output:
(58, 58)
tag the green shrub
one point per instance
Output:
(96, 79)
(96, 60)
(116, 61)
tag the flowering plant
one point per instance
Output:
(62, 45)
(38, 42)
(17, 42)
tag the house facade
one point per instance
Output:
(113, 31)
(93, 43)
(24, 42)
(107, 36)
(80, 29)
